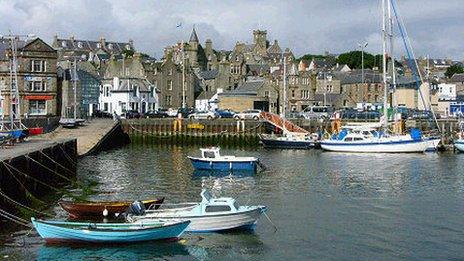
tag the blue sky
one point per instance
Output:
(436, 28)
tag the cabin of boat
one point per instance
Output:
(212, 160)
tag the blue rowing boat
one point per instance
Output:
(63, 231)
(211, 160)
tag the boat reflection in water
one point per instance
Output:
(222, 174)
(139, 251)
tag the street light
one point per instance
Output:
(362, 46)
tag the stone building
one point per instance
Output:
(94, 51)
(37, 78)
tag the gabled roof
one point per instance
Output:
(209, 75)
(274, 48)
(249, 87)
(193, 36)
(458, 77)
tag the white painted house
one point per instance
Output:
(124, 94)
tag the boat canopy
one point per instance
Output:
(212, 152)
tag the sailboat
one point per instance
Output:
(13, 129)
(292, 137)
(73, 122)
(361, 140)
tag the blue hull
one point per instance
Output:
(56, 231)
(224, 166)
(281, 144)
(16, 134)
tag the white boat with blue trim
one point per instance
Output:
(210, 215)
(459, 145)
(64, 231)
(371, 141)
(211, 159)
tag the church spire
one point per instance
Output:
(193, 36)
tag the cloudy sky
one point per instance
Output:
(436, 28)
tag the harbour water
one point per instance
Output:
(326, 206)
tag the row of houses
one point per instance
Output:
(113, 77)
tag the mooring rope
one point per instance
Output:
(47, 168)
(9, 167)
(272, 223)
(48, 157)
(24, 206)
(67, 156)
(26, 191)
(15, 219)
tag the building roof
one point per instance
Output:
(126, 84)
(249, 87)
(458, 77)
(258, 69)
(193, 36)
(209, 75)
(94, 46)
(274, 48)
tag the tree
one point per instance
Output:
(310, 57)
(453, 69)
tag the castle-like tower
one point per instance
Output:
(191, 49)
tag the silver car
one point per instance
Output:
(248, 115)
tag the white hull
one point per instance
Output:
(208, 223)
(376, 147)
(459, 144)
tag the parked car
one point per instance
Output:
(156, 114)
(226, 113)
(185, 112)
(316, 112)
(102, 114)
(248, 115)
(170, 112)
(209, 115)
(133, 114)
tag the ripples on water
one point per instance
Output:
(325, 205)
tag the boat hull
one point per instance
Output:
(459, 145)
(55, 232)
(244, 220)
(376, 147)
(286, 144)
(433, 144)
(210, 164)
(95, 209)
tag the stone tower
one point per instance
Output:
(260, 38)
(191, 49)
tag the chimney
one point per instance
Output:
(71, 38)
(103, 42)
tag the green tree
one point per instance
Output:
(309, 57)
(453, 69)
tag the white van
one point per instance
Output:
(316, 112)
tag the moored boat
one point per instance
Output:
(97, 209)
(212, 160)
(364, 141)
(210, 215)
(287, 141)
(63, 231)
(459, 145)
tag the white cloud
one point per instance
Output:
(313, 26)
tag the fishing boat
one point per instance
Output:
(210, 215)
(99, 209)
(64, 231)
(434, 144)
(212, 160)
(371, 141)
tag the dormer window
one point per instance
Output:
(63, 44)
(79, 44)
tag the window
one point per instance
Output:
(37, 86)
(170, 72)
(266, 93)
(37, 107)
(38, 66)
(169, 85)
(168, 100)
(217, 208)
(293, 93)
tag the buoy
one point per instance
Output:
(105, 212)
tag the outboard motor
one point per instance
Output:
(136, 208)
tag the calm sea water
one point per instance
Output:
(326, 206)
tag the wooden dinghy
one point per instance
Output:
(97, 209)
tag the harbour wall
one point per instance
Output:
(224, 132)
(31, 170)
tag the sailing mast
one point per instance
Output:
(384, 65)
(284, 109)
(392, 60)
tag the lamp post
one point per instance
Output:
(362, 46)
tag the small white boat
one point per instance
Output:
(288, 141)
(212, 160)
(210, 215)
